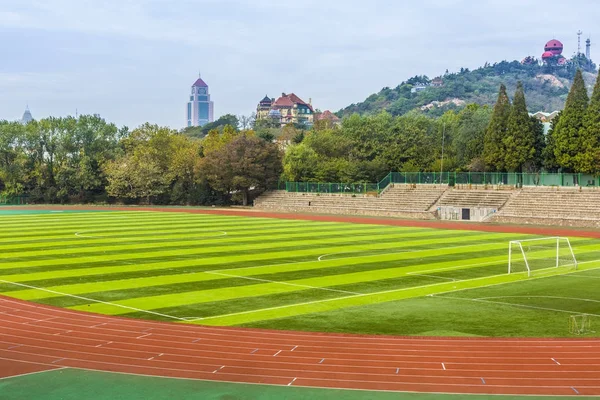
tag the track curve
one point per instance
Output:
(36, 337)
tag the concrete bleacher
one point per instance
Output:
(553, 206)
(407, 201)
(470, 198)
(568, 206)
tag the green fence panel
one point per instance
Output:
(424, 178)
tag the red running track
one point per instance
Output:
(36, 337)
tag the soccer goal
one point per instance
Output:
(580, 324)
(531, 255)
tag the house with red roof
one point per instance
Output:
(287, 109)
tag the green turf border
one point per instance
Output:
(77, 384)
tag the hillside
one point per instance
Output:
(545, 89)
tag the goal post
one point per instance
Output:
(530, 255)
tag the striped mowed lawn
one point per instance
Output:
(226, 270)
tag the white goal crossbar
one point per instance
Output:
(540, 253)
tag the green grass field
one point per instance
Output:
(290, 274)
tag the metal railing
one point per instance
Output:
(513, 179)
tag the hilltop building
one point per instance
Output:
(553, 53)
(200, 109)
(287, 109)
(27, 117)
(328, 119)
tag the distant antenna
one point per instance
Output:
(579, 33)
(588, 45)
(76, 114)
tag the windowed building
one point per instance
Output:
(200, 109)
(288, 109)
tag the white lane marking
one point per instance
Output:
(293, 380)
(555, 361)
(91, 300)
(295, 347)
(218, 369)
(274, 355)
(143, 336)
(279, 282)
(443, 366)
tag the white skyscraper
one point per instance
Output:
(200, 109)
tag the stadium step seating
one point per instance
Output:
(553, 203)
(396, 199)
(474, 198)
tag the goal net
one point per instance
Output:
(580, 324)
(531, 255)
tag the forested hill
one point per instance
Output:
(545, 89)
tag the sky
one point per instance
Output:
(133, 61)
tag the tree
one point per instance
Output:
(493, 145)
(247, 121)
(519, 141)
(219, 124)
(245, 163)
(588, 160)
(548, 156)
(567, 135)
(300, 163)
(539, 144)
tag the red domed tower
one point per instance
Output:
(547, 55)
(554, 46)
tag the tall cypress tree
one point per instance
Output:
(493, 146)
(519, 142)
(589, 157)
(568, 133)
(550, 162)
(539, 140)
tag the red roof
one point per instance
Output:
(289, 100)
(200, 83)
(328, 115)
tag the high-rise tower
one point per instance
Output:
(199, 108)
(27, 117)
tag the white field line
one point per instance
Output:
(336, 298)
(372, 294)
(456, 267)
(584, 276)
(514, 305)
(280, 282)
(349, 258)
(320, 258)
(539, 297)
(397, 251)
(82, 235)
(92, 300)
(32, 373)
(437, 277)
